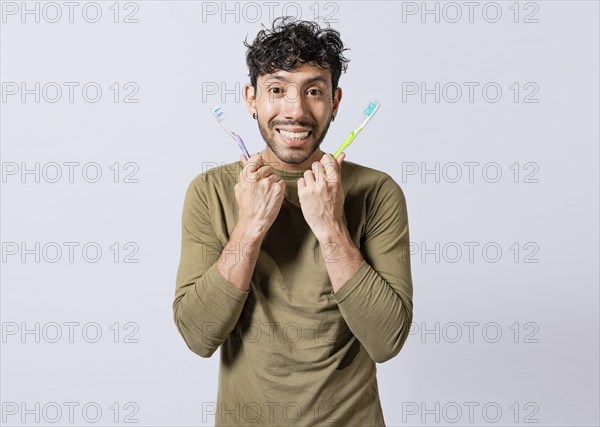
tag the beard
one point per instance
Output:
(291, 155)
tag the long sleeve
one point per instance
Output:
(206, 307)
(376, 301)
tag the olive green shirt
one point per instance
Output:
(293, 352)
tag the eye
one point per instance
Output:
(275, 90)
(315, 92)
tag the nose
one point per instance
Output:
(294, 104)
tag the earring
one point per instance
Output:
(254, 116)
(332, 118)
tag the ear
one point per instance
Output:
(337, 98)
(250, 97)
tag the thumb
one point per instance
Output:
(243, 159)
(340, 160)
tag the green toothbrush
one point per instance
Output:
(369, 112)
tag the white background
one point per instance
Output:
(540, 292)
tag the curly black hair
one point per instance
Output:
(291, 42)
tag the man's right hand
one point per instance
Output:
(259, 194)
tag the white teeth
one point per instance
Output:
(293, 135)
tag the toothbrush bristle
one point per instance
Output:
(371, 108)
(219, 114)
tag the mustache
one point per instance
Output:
(302, 123)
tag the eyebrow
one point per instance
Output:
(309, 81)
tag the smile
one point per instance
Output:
(294, 134)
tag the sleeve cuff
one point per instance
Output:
(214, 277)
(352, 283)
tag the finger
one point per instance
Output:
(243, 159)
(329, 162)
(254, 162)
(282, 185)
(309, 178)
(319, 172)
(327, 158)
(330, 167)
(264, 171)
(301, 183)
(340, 161)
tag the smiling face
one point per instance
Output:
(294, 110)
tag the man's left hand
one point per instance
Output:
(322, 196)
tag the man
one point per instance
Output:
(294, 263)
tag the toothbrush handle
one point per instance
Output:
(242, 146)
(345, 144)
